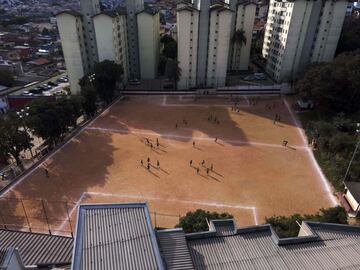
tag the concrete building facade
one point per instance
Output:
(90, 8)
(203, 40)
(203, 29)
(70, 26)
(218, 45)
(244, 18)
(187, 35)
(299, 33)
(148, 23)
(132, 8)
(112, 45)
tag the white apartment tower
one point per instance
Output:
(70, 26)
(132, 8)
(243, 21)
(299, 33)
(203, 29)
(90, 8)
(148, 23)
(187, 36)
(218, 45)
(111, 38)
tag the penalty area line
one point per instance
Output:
(145, 198)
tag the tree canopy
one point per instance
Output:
(6, 78)
(197, 221)
(170, 50)
(13, 138)
(287, 226)
(350, 35)
(52, 120)
(107, 76)
(334, 86)
(239, 37)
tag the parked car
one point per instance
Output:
(134, 82)
(260, 76)
(27, 93)
(36, 91)
(249, 78)
(53, 84)
(63, 79)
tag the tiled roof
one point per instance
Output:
(115, 236)
(174, 249)
(37, 248)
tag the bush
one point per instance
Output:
(196, 221)
(287, 226)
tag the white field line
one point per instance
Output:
(191, 138)
(65, 222)
(56, 151)
(165, 104)
(142, 198)
(316, 166)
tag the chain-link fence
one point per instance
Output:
(39, 216)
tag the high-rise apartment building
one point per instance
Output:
(92, 35)
(187, 37)
(299, 33)
(111, 38)
(148, 23)
(218, 45)
(71, 31)
(90, 8)
(204, 29)
(243, 21)
(132, 8)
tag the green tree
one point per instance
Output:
(237, 40)
(89, 100)
(162, 65)
(165, 39)
(173, 71)
(197, 221)
(107, 76)
(350, 35)
(287, 226)
(334, 86)
(72, 109)
(13, 138)
(48, 120)
(45, 32)
(170, 50)
(6, 78)
(239, 37)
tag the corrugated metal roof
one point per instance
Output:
(354, 188)
(174, 249)
(338, 247)
(115, 236)
(37, 248)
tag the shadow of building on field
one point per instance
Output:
(86, 157)
(147, 115)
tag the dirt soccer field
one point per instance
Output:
(253, 175)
